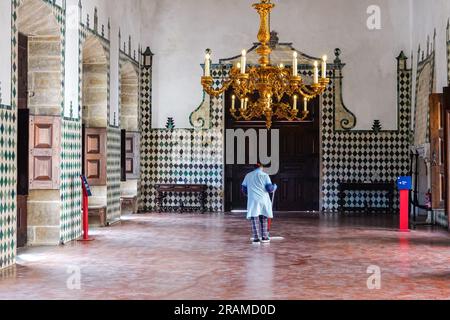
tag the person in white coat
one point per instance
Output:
(258, 186)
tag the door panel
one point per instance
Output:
(22, 80)
(21, 221)
(95, 156)
(299, 176)
(446, 117)
(132, 155)
(45, 150)
(437, 151)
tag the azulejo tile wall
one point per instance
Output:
(145, 200)
(71, 211)
(113, 175)
(365, 155)
(184, 156)
(7, 186)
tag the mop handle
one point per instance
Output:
(273, 199)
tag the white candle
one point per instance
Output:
(281, 66)
(305, 104)
(324, 66)
(295, 64)
(238, 66)
(295, 102)
(242, 104)
(233, 102)
(316, 72)
(246, 104)
(243, 61)
(268, 101)
(207, 65)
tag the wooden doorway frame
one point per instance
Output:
(224, 128)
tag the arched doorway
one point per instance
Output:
(95, 122)
(39, 104)
(129, 125)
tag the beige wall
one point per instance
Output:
(129, 96)
(44, 75)
(95, 84)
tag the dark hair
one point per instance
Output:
(259, 165)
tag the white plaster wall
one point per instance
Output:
(5, 52)
(180, 30)
(126, 16)
(72, 56)
(428, 15)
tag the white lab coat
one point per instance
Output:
(259, 203)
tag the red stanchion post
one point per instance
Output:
(404, 210)
(85, 203)
(404, 185)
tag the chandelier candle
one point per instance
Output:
(305, 104)
(263, 88)
(316, 72)
(207, 65)
(295, 64)
(243, 61)
(324, 67)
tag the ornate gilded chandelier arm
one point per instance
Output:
(207, 86)
(285, 111)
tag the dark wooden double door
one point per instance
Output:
(440, 150)
(298, 178)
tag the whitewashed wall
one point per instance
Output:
(125, 15)
(180, 30)
(5, 52)
(428, 15)
(72, 56)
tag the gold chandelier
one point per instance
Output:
(265, 90)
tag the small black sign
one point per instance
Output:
(86, 186)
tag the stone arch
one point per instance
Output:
(129, 97)
(35, 17)
(95, 83)
(37, 23)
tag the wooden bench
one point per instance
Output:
(97, 215)
(129, 200)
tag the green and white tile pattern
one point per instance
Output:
(71, 192)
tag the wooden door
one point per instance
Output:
(132, 155)
(95, 156)
(437, 123)
(45, 153)
(22, 220)
(298, 178)
(22, 141)
(446, 104)
(22, 72)
(23, 124)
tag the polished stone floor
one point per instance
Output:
(210, 257)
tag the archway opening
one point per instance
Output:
(39, 102)
(95, 120)
(129, 120)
